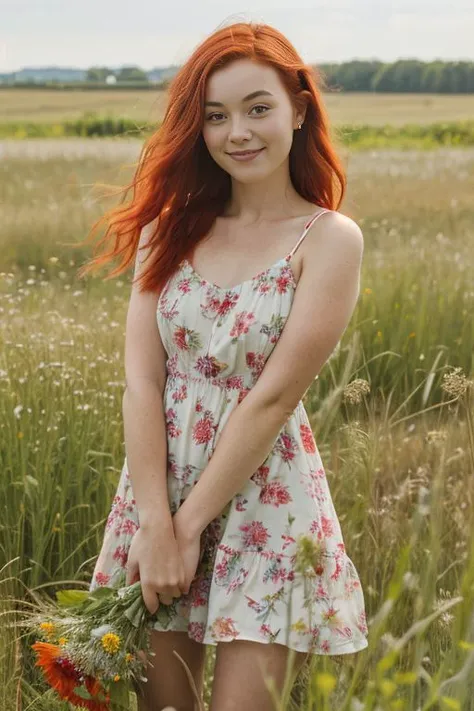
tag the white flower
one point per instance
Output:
(100, 631)
(17, 411)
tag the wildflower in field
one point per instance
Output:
(435, 437)
(354, 391)
(455, 383)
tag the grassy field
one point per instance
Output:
(399, 458)
(395, 109)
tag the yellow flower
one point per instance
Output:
(20, 435)
(128, 657)
(299, 626)
(117, 677)
(408, 677)
(387, 687)
(367, 290)
(62, 640)
(111, 642)
(48, 628)
(325, 682)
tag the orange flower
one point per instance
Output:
(63, 677)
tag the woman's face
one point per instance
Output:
(234, 122)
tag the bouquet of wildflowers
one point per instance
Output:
(94, 645)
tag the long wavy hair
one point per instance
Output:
(180, 188)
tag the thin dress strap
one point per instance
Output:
(306, 228)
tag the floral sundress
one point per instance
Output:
(273, 564)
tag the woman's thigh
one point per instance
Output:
(239, 674)
(167, 683)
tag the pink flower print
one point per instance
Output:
(121, 555)
(209, 366)
(200, 591)
(102, 578)
(331, 615)
(240, 503)
(184, 285)
(264, 287)
(172, 365)
(228, 302)
(196, 631)
(286, 446)
(242, 321)
(288, 541)
(275, 572)
(203, 430)
(256, 363)
(223, 628)
(337, 570)
(362, 622)
(309, 443)
(235, 382)
(344, 632)
(261, 475)
(258, 607)
(265, 630)
(119, 509)
(180, 338)
(129, 527)
(237, 580)
(180, 394)
(221, 569)
(255, 535)
(243, 394)
(316, 528)
(327, 525)
(199, 407)
(172, 428)
(325, 646)
(275, 494)
(282, 282)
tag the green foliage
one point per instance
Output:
(443, 133)
(401, 76)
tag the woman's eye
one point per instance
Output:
(258, 106)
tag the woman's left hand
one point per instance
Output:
(189, 548)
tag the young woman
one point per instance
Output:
(249, 277)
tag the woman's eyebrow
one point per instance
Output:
(253, 95)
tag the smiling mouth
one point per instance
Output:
(245, 153)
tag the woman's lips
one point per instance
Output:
(246, 156)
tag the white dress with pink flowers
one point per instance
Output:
(273, 565)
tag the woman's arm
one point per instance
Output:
(143, 411)
(323, 304)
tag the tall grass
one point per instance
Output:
(392, 412)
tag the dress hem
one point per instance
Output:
(351, 648)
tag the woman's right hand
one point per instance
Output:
(155, 560)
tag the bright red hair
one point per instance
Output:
(178, 182)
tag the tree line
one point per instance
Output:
(403, 75)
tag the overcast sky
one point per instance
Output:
(151, 33)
